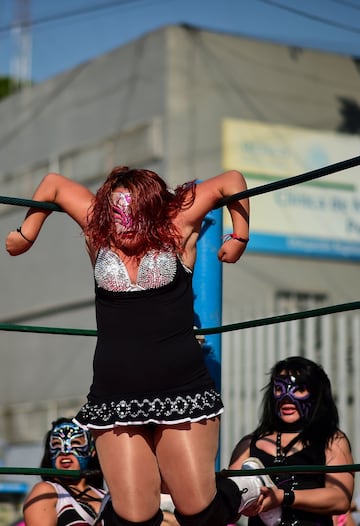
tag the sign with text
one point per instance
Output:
(320, 218)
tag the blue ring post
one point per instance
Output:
(207, 286)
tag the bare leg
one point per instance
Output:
(130, 468)
(186, 455)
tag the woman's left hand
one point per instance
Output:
(231, 251)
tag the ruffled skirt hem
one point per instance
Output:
(152, 421)
(163, 409)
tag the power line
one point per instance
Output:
(76, 12)
(347, 3)
(315, 18)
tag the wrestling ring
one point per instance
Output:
(241, 326)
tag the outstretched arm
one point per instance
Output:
(72, 197)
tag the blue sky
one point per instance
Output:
(63, 34)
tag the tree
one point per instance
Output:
(9, 86)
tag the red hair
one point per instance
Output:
(153, 207)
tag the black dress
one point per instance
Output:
(148, 366)
(308, 456)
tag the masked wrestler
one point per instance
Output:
(299, 426)
(64, 500)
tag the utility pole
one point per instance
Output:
(20, 62)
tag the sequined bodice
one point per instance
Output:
(156, 269)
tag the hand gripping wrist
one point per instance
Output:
(23, 236)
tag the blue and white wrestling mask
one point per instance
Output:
(69, 439)
(286, 387)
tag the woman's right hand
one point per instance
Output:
(272, 497)
(72, 197)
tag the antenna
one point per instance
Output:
(20, 65)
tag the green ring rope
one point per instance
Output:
(343, 468)
(343, 307)
(291, 181)
(224, 473)
(275, 185)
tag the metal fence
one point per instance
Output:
(248, 355)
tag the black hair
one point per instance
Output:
(322, 424)
(94, 477)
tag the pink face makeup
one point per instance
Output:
(121, 209)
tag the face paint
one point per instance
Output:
(68, 438)
(121, 210)
(286, 388)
